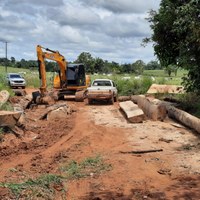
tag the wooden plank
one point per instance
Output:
(133, 113)
(157, 88)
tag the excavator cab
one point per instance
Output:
(76, 75)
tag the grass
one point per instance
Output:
(42, 187)
(89, 166)
(31, 76)
(141, 85)
(45, 186)
(132, 86)
(125, 87)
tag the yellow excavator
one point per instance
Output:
(71, 80)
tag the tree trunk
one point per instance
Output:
(124, 98)
(152, 111)
(184, 117)
(181, 116)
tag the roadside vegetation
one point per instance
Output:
(127, 84)
(46, 186)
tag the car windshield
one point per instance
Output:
(15, 76)
(102, 83)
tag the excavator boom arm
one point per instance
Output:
(51, 55)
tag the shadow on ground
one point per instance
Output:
(135, 194)
(184, 188)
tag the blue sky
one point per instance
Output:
(109, 29)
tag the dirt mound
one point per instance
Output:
(39, 135)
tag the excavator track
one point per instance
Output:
(80, 95)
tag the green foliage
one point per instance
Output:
(138, 67)
(133, 86)
(190, 102)
(161, 80)
(25, 64)
(176, 36)
(140, 86)
(87, 59)
(171, 69)
(7, 106)
(153, 65)
(31, 76)
(1, 134)
(4, 85)
(91, 165)
(42, 187)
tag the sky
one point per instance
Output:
(109, 29)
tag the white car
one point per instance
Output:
(16, 80)
(102, 89)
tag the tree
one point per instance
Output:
(138, 67)
(87, 59)
(98, 65)
(127, 68)
(13, 61)
(176, 37)
(152, 65)
(23, 63)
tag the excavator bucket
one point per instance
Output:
(48, 99)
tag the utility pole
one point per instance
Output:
(6, 43)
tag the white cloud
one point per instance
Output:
(125, 26)
(34, 2)
(74, 16)
(125, 6)
(111, 30)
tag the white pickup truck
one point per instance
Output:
(102, 89)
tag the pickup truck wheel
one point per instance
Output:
(112, 100)
(89, 101)
(116, 98)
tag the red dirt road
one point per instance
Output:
(93, 130)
